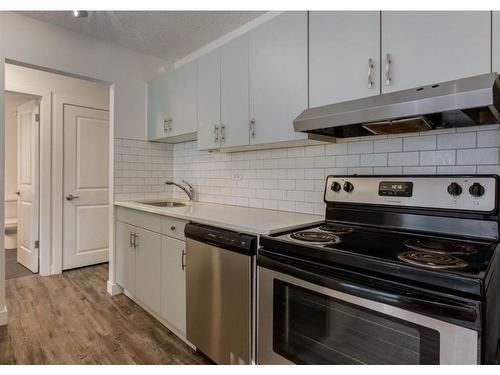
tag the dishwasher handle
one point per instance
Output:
(242, 243)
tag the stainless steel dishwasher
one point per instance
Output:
(219, 297)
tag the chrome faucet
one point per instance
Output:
(189, 190)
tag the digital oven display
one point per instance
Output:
(395, 189)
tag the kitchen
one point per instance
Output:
(284, 203)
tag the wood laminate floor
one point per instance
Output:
(70, 319)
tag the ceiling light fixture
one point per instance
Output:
(80, 14)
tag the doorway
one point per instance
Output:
(22, 115)
(71, 193)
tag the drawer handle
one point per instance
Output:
(183, 260)
(172, 227)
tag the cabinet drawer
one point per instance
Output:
(173, 227)
(140, 219)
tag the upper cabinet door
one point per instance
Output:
(183, 101)
(158, 106)
(429, 47)
(234, 93)
(209, 101)
(496, 42)
(344, 53)
(278, 77)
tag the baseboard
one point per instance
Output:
(3, 316)
(113, 289)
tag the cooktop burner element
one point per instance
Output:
(432, 260)
(336, 228)
(315, 237)
(438, 246)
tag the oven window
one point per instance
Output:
(312, 328)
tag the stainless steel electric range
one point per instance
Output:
(404, 270)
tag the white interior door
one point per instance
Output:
(86, 186)
(27, 183)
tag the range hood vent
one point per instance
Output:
(460, 103)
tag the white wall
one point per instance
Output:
(33, 42)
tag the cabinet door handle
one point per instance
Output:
(370, 73)
(216, 133)
(388, 62)
(135, 241)
(252, 128)
(130, 241)
(170, 121)
(183, 260)
(165, 125)
(222, 133)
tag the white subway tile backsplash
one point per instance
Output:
(478, 156)
(419, 170)
(403, 158)
(388, 145)
(373, 160)
(361, 147)
(336, 149)
(490, 138)
(423, 142)
(293, 179)
(347, 161)
(437, 157)
(318, 150)
(456, 140)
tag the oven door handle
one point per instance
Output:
(404, 298)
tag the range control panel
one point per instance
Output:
(471, 193)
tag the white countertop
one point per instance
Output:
(237, 218)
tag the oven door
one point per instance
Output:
(303, 322)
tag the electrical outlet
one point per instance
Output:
(236, 176)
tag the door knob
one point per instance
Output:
(18, 193)
(70, 197)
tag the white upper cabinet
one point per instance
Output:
(344, 53)
(183, 101)
(159, 94)
(496, 42)
(420, 48)
(209, 101)
(234, 93)
(278, 77)
(172, 105)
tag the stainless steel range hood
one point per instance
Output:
(464, 102)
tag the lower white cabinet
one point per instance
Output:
(125, 260)
(173, 282)
(148, 268)
(150, 262)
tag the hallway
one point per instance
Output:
(70, 319)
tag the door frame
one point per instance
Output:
(51, 160)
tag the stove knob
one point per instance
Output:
(476, 189)
(454, 189)
(348, 187)
(335, 186)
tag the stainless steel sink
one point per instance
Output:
(165, 203)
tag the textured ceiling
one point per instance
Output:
(169, 35)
